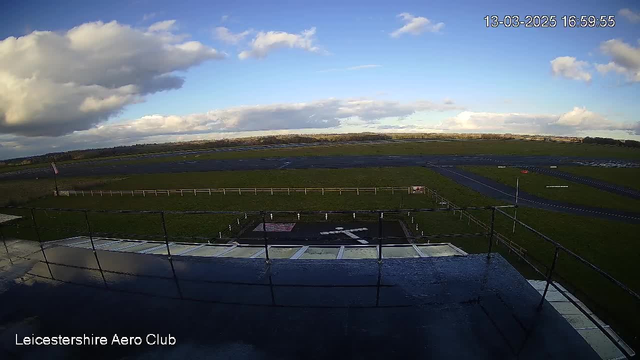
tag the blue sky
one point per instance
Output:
(474, 78)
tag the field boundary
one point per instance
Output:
(248, 190)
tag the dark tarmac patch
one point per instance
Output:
(330, 233)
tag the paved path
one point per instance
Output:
(598, 184)
(506, 193)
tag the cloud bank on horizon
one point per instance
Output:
(72, 89)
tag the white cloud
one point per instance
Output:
(223, 34)
(568, 67)
(166, 25)
(630, 15)
(352, 68)
(328, 114)
(149, 16)
(416, 25)
(570, 123)
(625, 59)
(55, 83)
(266, 42)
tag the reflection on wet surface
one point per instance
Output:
(440, 307)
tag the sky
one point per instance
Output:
(88, 74)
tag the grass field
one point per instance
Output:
(21, 191)
(465, 147)
(495, 147)
(629, 177)
(611, 245)
(535, 184)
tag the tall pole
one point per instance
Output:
(55, 181)
(515, 210)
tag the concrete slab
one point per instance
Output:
(438, 250)
(320, 253)
(243, 252)
(369, 252)
(208, 250)
(391, 252)
(277, 252)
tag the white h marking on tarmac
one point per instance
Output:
(349, 233)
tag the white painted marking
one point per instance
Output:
(349, 233)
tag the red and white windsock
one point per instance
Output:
(55, 169)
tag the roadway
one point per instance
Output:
(498, 191)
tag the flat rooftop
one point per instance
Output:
(462, 307)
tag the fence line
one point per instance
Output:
(247, 190)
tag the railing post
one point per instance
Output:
(493, 219)
(35, 227)
(379, 237)
(93, 247)
(546, 287)
(5, 245)
(266, 242)
(166, 241)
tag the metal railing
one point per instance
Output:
(378, 214)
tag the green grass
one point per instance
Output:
(629, 177)
(535, 184)
(465, 147)
(613, 246)
(495, 147)
(16, 192)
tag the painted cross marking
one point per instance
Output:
(349, 233)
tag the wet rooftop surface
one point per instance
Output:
(467, 307)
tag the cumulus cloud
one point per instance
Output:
(572, 122)
(223, 34)
(266, 42)
(416, 25)
(56, 83)
(570, 68)
(630, 15)
(625, 59)
(314, 116)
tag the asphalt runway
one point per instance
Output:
(311, 162)
(598, 184)
(496, 190)
(323, 233)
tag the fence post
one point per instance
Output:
(305, 191)
(322, 191)
(224, 191)
(357, 191)
(5, 245)
(35, 227)
(181, 194)
(194, 192)
(546, 287)
(271, 191)
(209, 191)
(93, 247)
(493, 219)
(379, 237)
(288, 191)
(375, 191)
(255, 191)
(266, 242)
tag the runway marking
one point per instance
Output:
(349, 233)
(286, 163)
